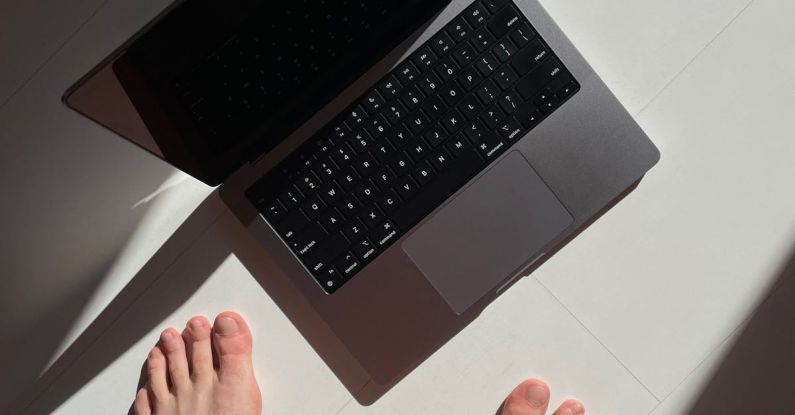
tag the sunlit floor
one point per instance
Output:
(651, 310)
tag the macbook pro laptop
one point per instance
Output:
(401, 161)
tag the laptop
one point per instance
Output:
(403, 162)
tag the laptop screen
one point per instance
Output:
(218, 83)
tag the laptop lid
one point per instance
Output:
(208, 86)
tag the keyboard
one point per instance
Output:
(421, 133)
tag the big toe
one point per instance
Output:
(531, 397)
(232, 344)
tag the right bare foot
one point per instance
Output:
(531, 397)
(204, 371)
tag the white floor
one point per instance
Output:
(638, 315)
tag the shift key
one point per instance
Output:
(529, 86)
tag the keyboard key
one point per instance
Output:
(464, 54)
(326, 251)
(395, 111)
(347, 265)
(487, 91)
(354, 229)
(340, 132)
(365, 165)
(361, 142)
(407, 73)
(492, 116)
(365, 250)
(383, 151)
(417, 149)
(423, 173)
(567, 90)
(325, 170)
(452, 93)
(429, 84)
(452, 121)
(529, 57)
(384, 234)
(494, 5)
(385, 178)
(457, 145)
(307, 239)
(433, 107)
(331, 220)
(424, 58)
(522, 35)
(486, 64)
(388, 200)
(308, 182)
(529, 86)
(328, 277)
(273, 211)
(503, 21)
(330, 193)
(441, 158)
(418, 122)
(356, 116)
(529, 116)
(510, 129)
(312, 206)
(470, 78)
(411, 99)
(346, 178)
(291, 224)
(505, 77)
(342, 155)
(290, 198)
(504, 50)
(435, 135)
(509, 102)
(406, 186)
(372, 215)
(350, 206)
(490, 146)
(390, 87)
(476, 15)
(470, 107)
(459, 29)
(365, 191)
(483, 40)
(447, 69)
(373, 101)
(441, 43)
(399, 136)
(475, 131)
(401, 163)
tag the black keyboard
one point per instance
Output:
(438, 119)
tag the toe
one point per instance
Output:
(199, 345)
(232, 343)
(571, 407)
(156, 375)
(531, 397)
(141, 405)
(174, 349)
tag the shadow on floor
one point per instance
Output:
(757, 374)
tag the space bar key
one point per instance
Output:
(434, 193)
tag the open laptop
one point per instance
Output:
(402, 161)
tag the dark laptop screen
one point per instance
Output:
(221, 82)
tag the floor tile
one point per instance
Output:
(525, 334)
(638, 46)
(664, 277)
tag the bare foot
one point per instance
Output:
(531, 397)
(205, 371)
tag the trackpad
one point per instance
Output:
(488, 232)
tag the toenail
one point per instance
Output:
(536, 396)
(166, 336)
(197, 324)
(226, 326)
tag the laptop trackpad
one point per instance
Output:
(488, 232)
